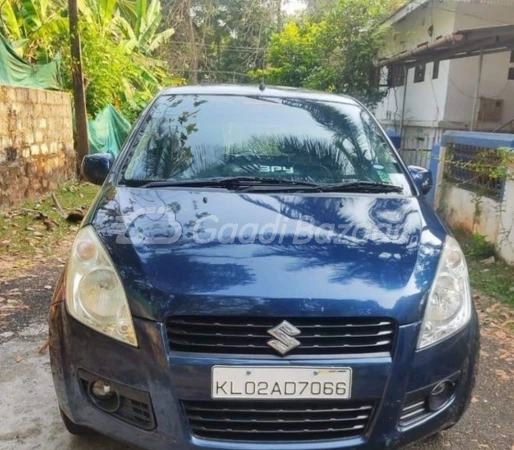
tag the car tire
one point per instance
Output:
(73, 428)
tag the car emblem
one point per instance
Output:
(284, 340)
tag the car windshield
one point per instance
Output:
(203, 137)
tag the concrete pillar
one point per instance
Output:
(505, 240)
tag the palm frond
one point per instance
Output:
(12, 28)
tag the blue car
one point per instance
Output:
(260, 271)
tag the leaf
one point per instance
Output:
(10, 21)
(141, 9)
(502, 375)
(19, 358)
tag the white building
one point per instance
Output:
(440, 95)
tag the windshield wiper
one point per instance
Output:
(354, 186)
(361, 186)
(248, 184)
(229, 182)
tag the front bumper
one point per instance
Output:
(171, 378)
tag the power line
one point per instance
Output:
(204, 44)
(230, 72)
(214, 48)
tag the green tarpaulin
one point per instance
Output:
(14, 71)
(107, 132)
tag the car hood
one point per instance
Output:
(213, 252)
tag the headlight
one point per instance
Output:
(94, 293)
(449, 303)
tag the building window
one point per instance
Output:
(396, 76)
(512, 57)
(419, 73)
(435, 71)
(511, 73)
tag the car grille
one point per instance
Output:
(292, 421)
(249, 335)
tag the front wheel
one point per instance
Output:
(73, 428)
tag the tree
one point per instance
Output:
(317, 8)
(333, 48)
(120, 39)
(31, 26)
(219, 40)
(140, 31)
(293, 55)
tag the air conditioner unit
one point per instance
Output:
(490, 110)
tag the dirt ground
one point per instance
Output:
(30, 418)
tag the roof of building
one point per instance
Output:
(255, 91)
(405, 10)
(460, 44)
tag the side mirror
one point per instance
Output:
(422, 178)
(95, 168)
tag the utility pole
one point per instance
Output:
(79, 93)
(192, 42)
(474, 112)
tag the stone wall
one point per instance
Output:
(36, 143)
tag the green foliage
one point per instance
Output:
(492, 164)
(220, 40)
(293, 55)
(494, 279)
(331, 48)
(479, 247)
(32, 25)
(110, 74)
(334, 53)
(119, 41)
(140, 31)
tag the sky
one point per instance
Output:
(293, 6)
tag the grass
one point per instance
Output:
(494, 279)
(23, 233)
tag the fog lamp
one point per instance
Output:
(440, 395)
(102, 390)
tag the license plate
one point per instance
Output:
(290, 383)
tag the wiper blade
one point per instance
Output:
(261, 184)
(361, 186)
(228, 182)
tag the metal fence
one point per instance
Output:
(416, 157)
(470, 168)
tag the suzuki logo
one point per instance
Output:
(284, 340)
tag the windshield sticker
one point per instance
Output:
(274, 169)
(384, 176)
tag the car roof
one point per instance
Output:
(255, 91)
